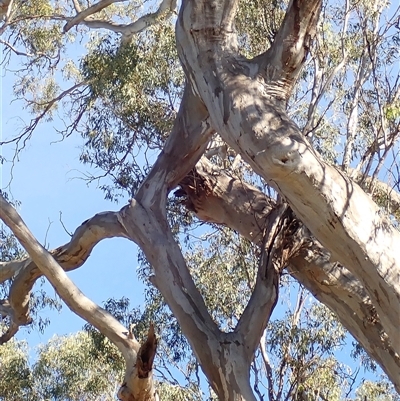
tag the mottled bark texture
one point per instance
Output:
(219, 198)
(253, 121)
(327, 230)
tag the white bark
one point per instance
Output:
(221, 199)
(70, 256)
(225, 357)
(244, 101)
(88, 12)
(247, 110)
(138, 384)
(67, 290)
(128, 31)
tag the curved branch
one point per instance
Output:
(256, 125)
(82, 15)
(145, 222)
(341, 292)
(185, 145)
(138, 383)
(188, 140)
(167, 7)
(64, 286)
(70, 256)
(10, 333)
(283, 61)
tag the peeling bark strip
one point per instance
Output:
(141, 388)
(248, 111)
(146, 354)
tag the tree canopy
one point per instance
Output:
(258, 142)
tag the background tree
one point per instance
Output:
(303, 347)
(287, 126)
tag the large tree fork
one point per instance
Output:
(244, 101)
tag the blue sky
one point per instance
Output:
(45, 181)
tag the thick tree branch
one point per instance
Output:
(213, 196)
(262, 302)
(70, 256)
(149, 229)
(145, 222)
(284, 59)
(11, 331)
(167, 7)
(82, 15)
(67, 290)
(77, 6)
(222, 199)
(251, 118)
(341, 292)
(185, 145)
(215, 16)
(138, 384)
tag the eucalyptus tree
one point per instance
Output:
(67, 368)
(53, 376)
(301, 99)
(297, 352)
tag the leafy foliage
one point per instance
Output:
(122, 100)
(258, 22)
(16, 380)
(133, 95)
